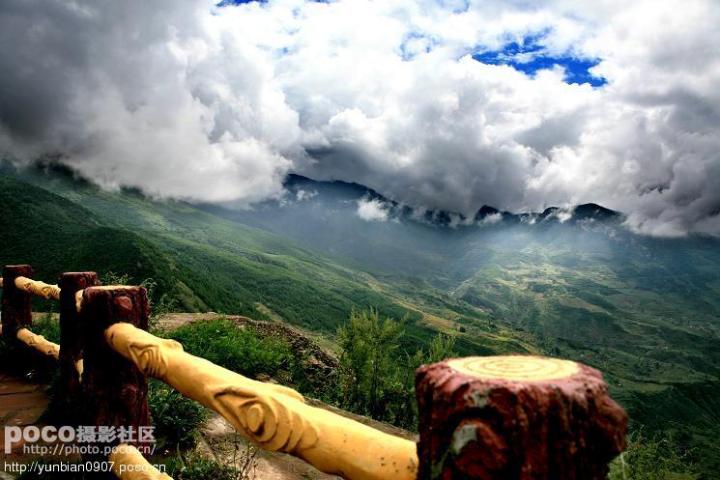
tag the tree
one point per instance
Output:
(367, 362)
(441, 347)
(377, 378)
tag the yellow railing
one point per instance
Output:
(275, 417)
(39, 343)
(40, 289)
(127, 462)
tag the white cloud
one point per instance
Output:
(184, 99)
(562, 215)
(529, 219)
(301, 195)
(492, 218)
(372, 210)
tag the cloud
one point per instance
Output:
(157, 96)
(372, 210)
(185, 99)
(302, 195)
(561, 214)
(492, 218)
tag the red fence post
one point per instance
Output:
(71, 347)
(115, 391)
(16, 303)
(516, 418)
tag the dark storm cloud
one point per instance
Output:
(187, 99)
(135, 93)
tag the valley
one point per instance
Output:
(645, 311)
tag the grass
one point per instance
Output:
(238, 349)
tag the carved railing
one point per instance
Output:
(510, 417)
(18, 288)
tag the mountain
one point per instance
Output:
(644, 310)
(592, 211)
(409, 242)
(304, 188)
(202, 262)
(568, 282)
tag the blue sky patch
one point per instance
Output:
(529, 56)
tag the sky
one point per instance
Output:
(438, 104)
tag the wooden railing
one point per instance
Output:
(508, 417)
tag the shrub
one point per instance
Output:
(48, 326)
(176, 418)
(652, 458)
(376, 373)
(367, 362)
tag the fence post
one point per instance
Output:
(16, 303)
(516, 418)
(71, 347)
(115, 391)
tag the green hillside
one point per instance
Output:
(204, 263)
(201, 262)
(644, 311)
(56, 235)
(656, 344)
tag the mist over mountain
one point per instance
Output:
(354, 222)
(303, 188)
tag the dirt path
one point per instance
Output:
(21, 403)
(221, 441)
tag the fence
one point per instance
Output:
(507, 417)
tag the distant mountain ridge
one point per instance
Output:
(587, 212)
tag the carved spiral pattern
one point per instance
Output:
(266, 419)
(40, 289)
(515, 367)
(273, 416)
(150, 357)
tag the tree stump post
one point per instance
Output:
(69, 400)
(16, 303)
(516, 418)
(115, 391)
